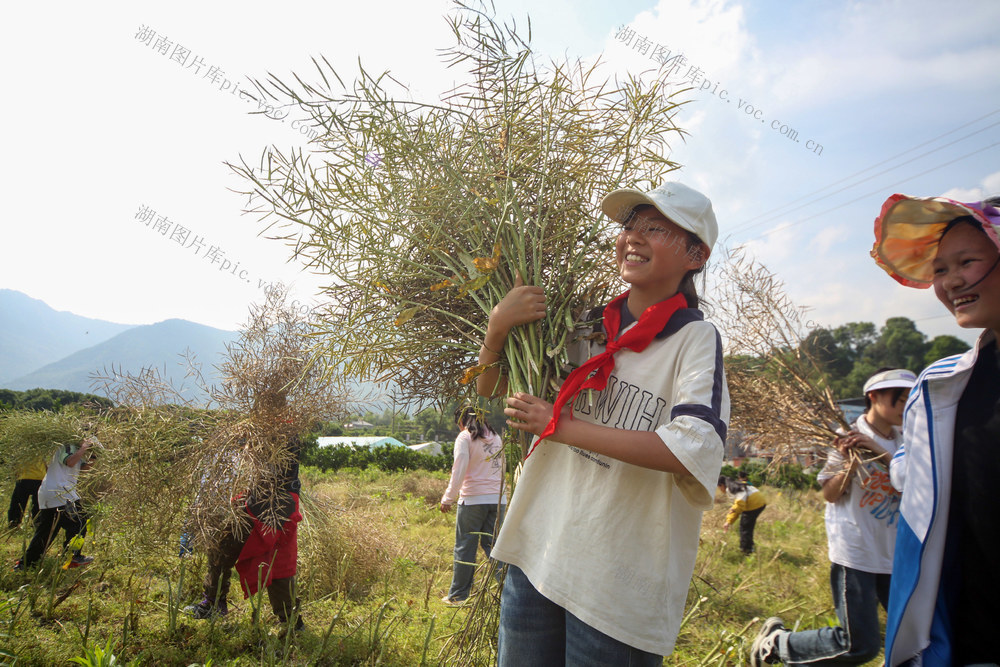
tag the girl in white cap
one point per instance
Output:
(942, 605)
(862, 512)
(602, 530)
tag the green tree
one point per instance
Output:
(944, 346)
(823, 346)
(855, 337)
(899, 345)
(841, 351)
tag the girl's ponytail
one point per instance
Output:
(472, 419)
(687, 288)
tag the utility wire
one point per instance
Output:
(874, 192)
(749, 224)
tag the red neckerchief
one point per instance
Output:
(594, 373)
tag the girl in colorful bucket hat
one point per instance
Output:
(942, 604)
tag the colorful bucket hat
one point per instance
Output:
(908, 230)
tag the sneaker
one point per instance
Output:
(764, 649)
(77, 560)
(452, 602)
(207, 609)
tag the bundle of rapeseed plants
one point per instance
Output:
(171, 467)
(422, 213)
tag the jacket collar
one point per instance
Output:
(959, 363)
(674, 324)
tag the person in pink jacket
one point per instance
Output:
(477, 484)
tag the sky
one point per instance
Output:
(805, 117)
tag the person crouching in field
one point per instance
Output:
(862, 510)
(748, 503)
(602, 529)
(477, 484)
(29, 480)
(59, 504)
(943, 599)
(262, 541)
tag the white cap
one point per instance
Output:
(897, 377)
(684, 206)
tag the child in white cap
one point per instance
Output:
(602, 530)
(861, 516)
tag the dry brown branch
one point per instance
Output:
(169, 467)
(780, 395)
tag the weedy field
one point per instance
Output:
(374, 562)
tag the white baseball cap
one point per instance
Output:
(682, 205)
(897, 377)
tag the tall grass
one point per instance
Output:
(382, 606)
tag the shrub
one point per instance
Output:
(383, 457)
(785, 475)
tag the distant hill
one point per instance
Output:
(158, 345)
(32, 334)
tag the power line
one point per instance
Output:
(874, 192)
(879, 173)
(746, 225)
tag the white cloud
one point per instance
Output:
(775, 246)
(824, 240)
(989, 186)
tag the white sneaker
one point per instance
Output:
(764, 649)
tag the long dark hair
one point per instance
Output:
(472, 419)
(687, 288)
(733, 486)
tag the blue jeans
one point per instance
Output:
(474, 525)
(856, 595)
(536, 632)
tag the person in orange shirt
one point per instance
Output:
(748, 503)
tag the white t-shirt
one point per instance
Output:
(59, 484)
(861, 525)
(615, 543)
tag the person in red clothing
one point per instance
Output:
(263, 543)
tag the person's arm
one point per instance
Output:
(522, 304)
(911, 417)
(642, 448)
(458, 468)
(834, 486)
(735, 511)
(866, 442)
(76, 456)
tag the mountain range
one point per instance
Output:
(43, 347)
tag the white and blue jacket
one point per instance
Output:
(921, 469)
